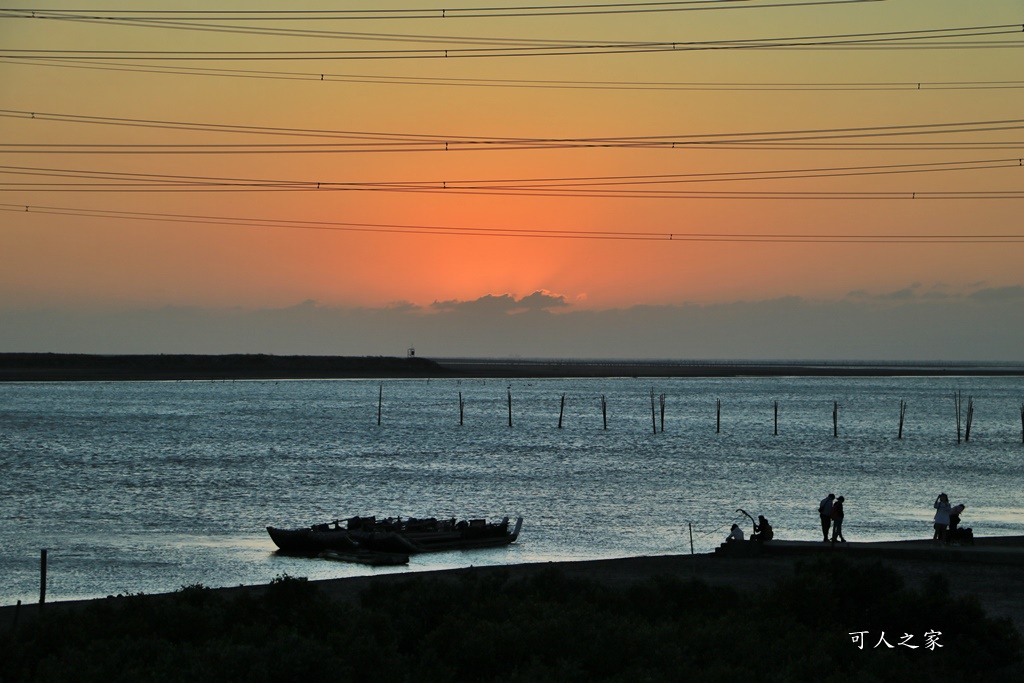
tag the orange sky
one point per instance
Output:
(81, 262)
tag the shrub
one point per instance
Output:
(543, 627)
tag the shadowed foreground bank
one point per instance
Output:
(38, 367)
(534, 623)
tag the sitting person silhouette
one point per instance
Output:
(762, 530)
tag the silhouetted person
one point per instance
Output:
(736, 535)
(837, 520)
(942, 510)
(825, 511)
(954, 519)
(956, 534)
(762, 530)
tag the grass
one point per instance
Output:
(543, 628)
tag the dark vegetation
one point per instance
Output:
(541, 628)
(37, 367)
(86, 367)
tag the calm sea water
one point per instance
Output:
(151, 486)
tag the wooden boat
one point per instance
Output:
(396, 535)
(312, 540)
(331, 544)
(431, 535)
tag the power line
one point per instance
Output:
(907, 195)
(449, 142)
(543, 84)
(185, 149)
(408, 13)
(575, 182)
(201, 23)
(884, 39)
(391, 228)
(580, 187)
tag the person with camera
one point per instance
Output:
(825, 512)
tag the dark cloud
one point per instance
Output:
(542, 301)
(999, 294)
(405, 306)
(985, 326)
(503, 303)
(490, 303)
(942, 290)
(904, 294)
(899, 295)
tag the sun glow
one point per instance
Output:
(611, 178)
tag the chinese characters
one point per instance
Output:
(930, 640)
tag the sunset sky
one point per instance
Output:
(706, 179)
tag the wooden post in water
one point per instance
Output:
(1022, 422)
(604, 411)
(380, 402)
(718, 416)
(835, 419)
(654, 422)
(970, 418)
(690, 524)
(776, 418)
(461, 408)
(662, 399)
(42, 576)
(956, 402)
(903, 412)
(510, 406)
(561, 411)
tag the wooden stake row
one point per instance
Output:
(958, 402)
(963, 423)
(903, 413)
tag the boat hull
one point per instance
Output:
(311, 541)
(315, 540)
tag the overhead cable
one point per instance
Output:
(543, 84)
(77, 180)
(449, 142)
(821, 237)
(878, 39)
(136, 15)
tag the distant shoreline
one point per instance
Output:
(41, 367)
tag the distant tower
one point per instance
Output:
(411, 352)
